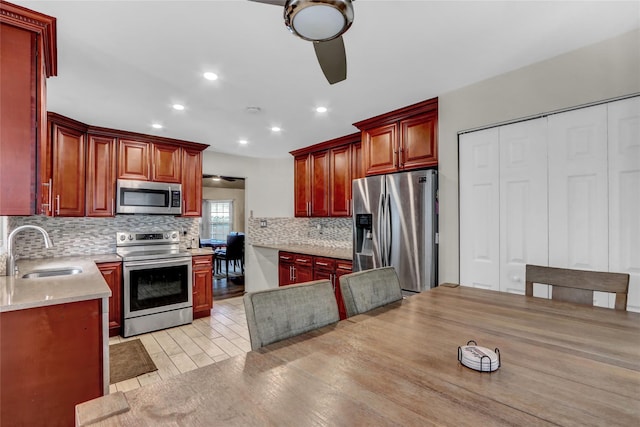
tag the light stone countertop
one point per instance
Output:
(18, 294)
(325, 251)
(201, 251)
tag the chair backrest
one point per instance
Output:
(284, 312)
(577, 286)
(235, 246)
(365, 290)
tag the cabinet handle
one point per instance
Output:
(308, 208)
(302, 260)
(58, 205)
(112, 205)
(395, 158)
(48, 204)
(321, 263)
(401, 158)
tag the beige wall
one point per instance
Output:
(236, 195)
(594, 73)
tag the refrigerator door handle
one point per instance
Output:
(388, 229)
(382, 232)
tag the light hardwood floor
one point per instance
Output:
(184, 348)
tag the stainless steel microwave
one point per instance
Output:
(144, 197)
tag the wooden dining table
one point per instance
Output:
(561, 364)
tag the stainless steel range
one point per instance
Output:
(157, 281)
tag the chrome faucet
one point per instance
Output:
(11, 260)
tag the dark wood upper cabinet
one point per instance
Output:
(340, 180)
(403, 139)
(166, 164)
(101, 176)
(68, 150)
(133, 160)
(322, 177)
(301, 186)
(28, 46)
(191, 182)
(319, 183)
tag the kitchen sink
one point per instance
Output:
(52, 272)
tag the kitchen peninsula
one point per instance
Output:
(57, 327)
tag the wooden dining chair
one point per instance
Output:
(284, 312)
(365, 290)
(577, 286)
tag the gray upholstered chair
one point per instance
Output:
(276, 314)
(368, 289)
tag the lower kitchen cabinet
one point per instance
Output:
(51, 359)
(294, 268)
(202, 266)
(112, 273)
(298, 268)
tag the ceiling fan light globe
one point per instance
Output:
(315, 20)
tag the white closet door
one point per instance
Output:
(578, 204)
(523, 203)
(479, 209)
(624, 194)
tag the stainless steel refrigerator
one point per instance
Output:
(395, 223)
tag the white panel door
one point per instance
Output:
(523, 203)
(578, 204)
(624, 194)
(479, 209)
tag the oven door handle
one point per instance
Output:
(156, 262)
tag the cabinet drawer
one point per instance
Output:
(300, 259)
(321, 263)
(286, 256)
(344, 266)
(202, 261)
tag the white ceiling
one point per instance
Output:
(122, 64)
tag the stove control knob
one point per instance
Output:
(174, 236)
(123, 237)
(166, 235)
(130, 236)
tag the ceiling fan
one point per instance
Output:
(322, 22)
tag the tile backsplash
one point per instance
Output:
(88, 236)
(331, 232)
(92, 236)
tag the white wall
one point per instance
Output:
(598, 72)
(268, 193)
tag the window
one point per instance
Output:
(218, 220)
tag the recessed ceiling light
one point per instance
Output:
(178, 107)
(156, 126)
(243, 141)
(276, 129)
(321, 109)
(215, 178)
(254, 110)
(210, 76)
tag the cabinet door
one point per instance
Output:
(112, 273)
(18, 95)
(578, 201)
(523, 202)
(379, 146)
(202, 285)
(340, 181)
(319, 183)
(285, 268)
(418, 141)
(68, 168)
(357, 164)
(302, 186)
(302, 268)
(133, 160)
(101, 176)
(479, 209)
(342, 268)
(167, 165)
(624, 194)
(191, 183)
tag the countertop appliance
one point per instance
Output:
(395, 223)
(158, 288)
(145, 197)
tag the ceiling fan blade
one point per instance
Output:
(273, 2)
(332, 59)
